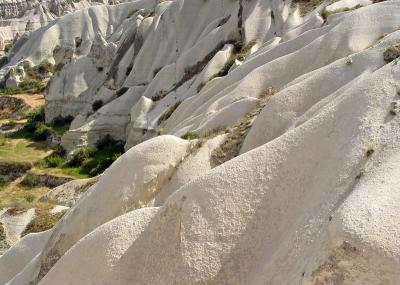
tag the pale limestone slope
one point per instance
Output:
(311, 199)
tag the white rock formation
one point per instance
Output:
(312, 114)
(20, 16)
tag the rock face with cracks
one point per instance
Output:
(308, 196)
(23, 16)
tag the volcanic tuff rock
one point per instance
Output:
(307, 106)
(20, 16)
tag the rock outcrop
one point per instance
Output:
(301, 104)
(21, 16)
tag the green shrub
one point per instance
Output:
(29, 198)
(8, 47)
(42, 132)
(82, 154)
(27, 86)
(190, 136)
(106, 141)
(34, 85)
(54, 160)
(97, 105)
(62, 121)
(108, 150)
(44, 68)
(121, 91)
(30, 180)
(35, 115)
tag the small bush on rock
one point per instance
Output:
(8, 47)
(391, 53)
(42, 132)
(121, 91)
(62, 121)
(81, 154)
(97, 105)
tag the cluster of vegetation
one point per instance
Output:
(4, 181)
(159, 95)
(27, 86)
(325, 13)
(230, 147)
(205, 135)
(34, 80)
(36, 128)
(94, 160)
(30, 180)
(88, 160)
(40, 71)
(391, 53)
(3, 140)
(97, 105)
(168, 113)
(306, 6)
(43, 221)
(121, 91)
(239, 53)
(8, 47)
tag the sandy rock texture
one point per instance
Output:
(262, 144)
(23, 16)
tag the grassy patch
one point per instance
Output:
(27, 86)
(190, 136)
(43, 221)
(4, 182)
(86, 161)
(30, 180)
(20, 198)
(22, 150)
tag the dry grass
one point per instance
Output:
(22, 150)
(43, 221)
(230, 147)
(20, 198)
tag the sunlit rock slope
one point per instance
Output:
(287, 171)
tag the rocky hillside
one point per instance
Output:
(20, 16)
(262, 143)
